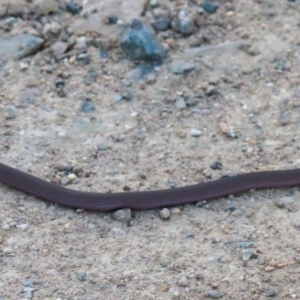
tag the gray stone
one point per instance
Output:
(122, 215)
(19, 46)
(287, 200)
(183, 282)
(181, 67)
(180, 104)
(139, 42)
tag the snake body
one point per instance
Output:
(147, 199)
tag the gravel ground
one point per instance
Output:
(92, 126)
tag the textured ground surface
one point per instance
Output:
(243, 99)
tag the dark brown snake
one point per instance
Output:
(148, 199)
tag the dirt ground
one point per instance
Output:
(242, 101)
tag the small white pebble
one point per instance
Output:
(165, 213)
(196, 132)
(72, 177)
(23, 66)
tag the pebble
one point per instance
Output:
(196, 132)
(183, 282)
(248, 254)
(217, 165)
(28, 282)
(162, 24)
(81, 42)
(84, 57)
(52, 29)
(165, 214)
(23, 66)
(180, 104)
(211, 90)
(73, 7)
(230, 207)
(81, 276)
(122, 215)
(10, 46)
(87, 106)
(181, 67)
(209, 7)
(184, 24)
(271, 293)
(59, 83)
(199, 275)
(269, 268)
(253, 51)
(59, 48)
(72, 177)
(102, 146)
(139, 42)
(287, 200)
(245, 245)
(176, 211)
(214, 294)
(118, 98)
(112, 19)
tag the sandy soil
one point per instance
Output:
(245, 102)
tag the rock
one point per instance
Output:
(209, 7)
(162, 24)
(72, 177)
(140, 43)
(180, 104)
(184, 24)
(165, 214)
(245, 245)
(73, 7)
(211, 90)
(183, 282)
(81, 276)
(122, 215)
(181, 67)
(19, 46)
(214, 294)
(52, 30)
(59, 48)
(102, 146)
(230, 207)
(87, 106)
(247, 254)
(287, 200)
(196, 132)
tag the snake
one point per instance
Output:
(143, 200)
